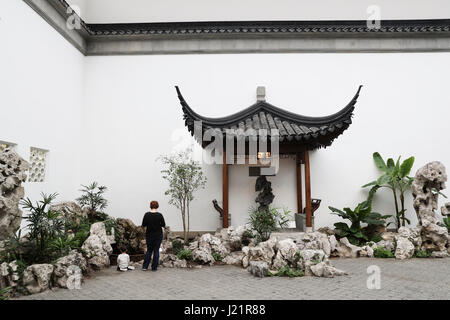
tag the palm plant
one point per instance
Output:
(395, 177)
(93, 199)
(44, 225)
(361, 214)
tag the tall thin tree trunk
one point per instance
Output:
(183, 214)
(402, 201)
(396, 207)
(188, 220)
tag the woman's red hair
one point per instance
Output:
(154, 205)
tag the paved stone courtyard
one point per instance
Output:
(411, 279)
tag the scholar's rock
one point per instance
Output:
(12, 174)
(97, 247)
(428, 181)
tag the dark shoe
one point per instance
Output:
(154, 269)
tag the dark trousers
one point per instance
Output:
(153, 244)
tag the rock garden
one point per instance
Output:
(66, 242)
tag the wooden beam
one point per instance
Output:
(225, 190)
(308, 190)
(299, 184)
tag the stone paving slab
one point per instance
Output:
(411, 279)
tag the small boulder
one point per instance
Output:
(234, 258)
(258, 268)
(69, 265)
(404, 249)
(325, 269)
(345, 249)
(37, 277)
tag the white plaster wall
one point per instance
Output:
(131, 110)
(41, 83)
(114, 11)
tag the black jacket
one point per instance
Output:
(154, 222)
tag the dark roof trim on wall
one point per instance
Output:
(248, 36)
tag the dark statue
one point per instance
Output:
(217, 207)
(265, 196)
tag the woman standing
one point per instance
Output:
(154, 222)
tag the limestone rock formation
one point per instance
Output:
(67, 266)
(97, 247)
(234, 258)
(286, 250)
(309, 258)
(317, 241)
(71, 211)
(345, 249)
(445, 209)
(264, 251)
(404, 248)
(37, 277)
(203, 255)
(428, 181)
(388, 245)
(214, 243)
(172, 261)
(131, 236)
(258, 268)
(325, 269)
(12, 174)
(9, 275)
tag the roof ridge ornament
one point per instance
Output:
(261, 94)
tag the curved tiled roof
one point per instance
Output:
(314, 132)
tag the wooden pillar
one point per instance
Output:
(299, 184)
(308, 191)
(225, 190)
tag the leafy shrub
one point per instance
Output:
(395, 177)
(289, 272)
(297, 257)
(177, 246)
(185, 254)
(217, 256)
(4, 293)
(264, 222)
(60, 246)
(81, 233)
(246, 237)
(447, 223)
(93, 199)
(361, 214)
(421, 254)
(379, 252)
(44, 226)
(11, 250)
